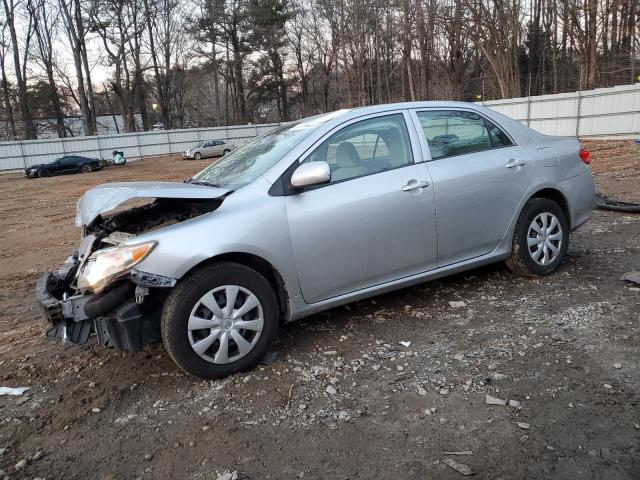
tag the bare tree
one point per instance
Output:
(45, 20)
(10, 9)
(6, 93)
(77, 31)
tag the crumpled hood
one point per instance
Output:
(108, 196)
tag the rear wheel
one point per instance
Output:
(197, 156)
(43, 173)
(540, 240)
(220, 320)
(86, 168)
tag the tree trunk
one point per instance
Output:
(23, 103)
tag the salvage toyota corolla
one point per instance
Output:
(314, 214)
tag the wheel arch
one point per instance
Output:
(260, 265)
(556, 196)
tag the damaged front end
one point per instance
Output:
(99, 289)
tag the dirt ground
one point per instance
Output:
(565, 348)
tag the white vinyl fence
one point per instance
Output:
(20, 154)
(602, 112)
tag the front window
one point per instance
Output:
(365, 148)
(254, 158)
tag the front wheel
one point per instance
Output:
(197, 156)
(225, 152)
(220, 320)
(43, 173)
(540, 240)
(86, 168)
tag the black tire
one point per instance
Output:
(43, 172)
(197, 156)
(86, 168)
(186, 294)
(521, 261)
(225, 152)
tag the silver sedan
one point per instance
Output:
(312, 215)
(207, 149)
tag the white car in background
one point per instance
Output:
(208, 148)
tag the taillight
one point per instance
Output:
(585, 156)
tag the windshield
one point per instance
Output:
(198, 145)
(254, 158)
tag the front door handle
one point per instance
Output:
(414, 184)
(512, 163)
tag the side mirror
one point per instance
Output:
(312, 173)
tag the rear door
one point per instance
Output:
(374, 222)
(479, 174)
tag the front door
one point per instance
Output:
(479, 174)
(374, 222)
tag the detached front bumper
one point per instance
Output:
(126, 316)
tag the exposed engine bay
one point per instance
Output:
(160, 213)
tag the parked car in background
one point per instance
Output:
(208, 148)
(62, 165)
(309, 216)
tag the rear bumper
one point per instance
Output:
(580, 193)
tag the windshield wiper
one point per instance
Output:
(207, 184)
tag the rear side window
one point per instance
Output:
(366, 147)
(498, 137)
(451, 133)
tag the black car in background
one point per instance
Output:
(66, 164)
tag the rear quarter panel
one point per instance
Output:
(559, 166)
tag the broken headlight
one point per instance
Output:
(103, 266)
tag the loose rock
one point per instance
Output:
(490, 400)
(458, 467)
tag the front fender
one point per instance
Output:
(248, 221)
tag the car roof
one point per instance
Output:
(513, 126)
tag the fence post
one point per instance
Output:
(24, 159)
(138, 144)
(99, 149)
(578, 112)
(529, 102)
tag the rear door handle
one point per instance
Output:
(414, 184)
(512, 163)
